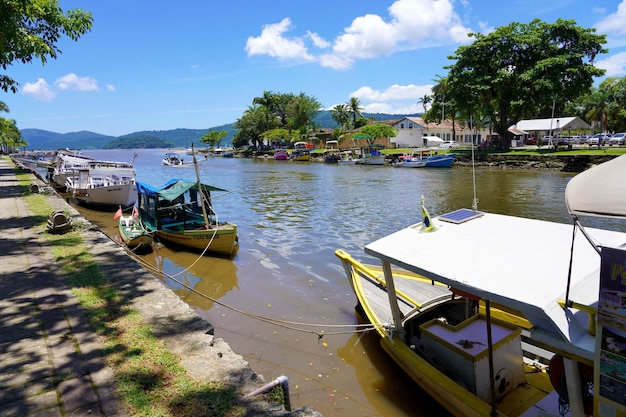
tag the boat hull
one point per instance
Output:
(133, 234)
(440, 161)
(220, 240)
(377, 160)
(124, 195)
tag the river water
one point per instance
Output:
(291, 217)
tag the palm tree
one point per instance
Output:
(340, 113)
(355, 108)
(425, 101)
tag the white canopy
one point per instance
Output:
(599, 191)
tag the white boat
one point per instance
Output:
(172, 159)
(410, 161)
(64, 163)
(371, 155)
(347, 158)
(486, 330)
(103, 186)
(331, 154)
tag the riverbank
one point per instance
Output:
(51, 360)
(553, 161)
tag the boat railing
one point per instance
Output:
(592, 312)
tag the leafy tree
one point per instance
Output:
(605, 105)
(30, 29)
(213, 137)
(519, 70)
(277, 111)
(374, 131)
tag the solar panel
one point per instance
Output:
(460, 216)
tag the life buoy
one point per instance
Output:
(556, 372)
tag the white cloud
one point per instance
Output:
(615, 65)
(73, 82)
(411, 24)
(39, 90)
(395, 99)
(273, 43)
(614, 23)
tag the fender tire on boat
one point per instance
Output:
(556, 372)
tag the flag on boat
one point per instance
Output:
(118, 213)
(427, 224)
(135, 212)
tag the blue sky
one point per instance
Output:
(198, 64)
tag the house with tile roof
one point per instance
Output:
(412, 130)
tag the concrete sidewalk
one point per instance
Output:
(50, 359)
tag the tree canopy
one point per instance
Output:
(271, 111)
(30, 29)
(521, 70)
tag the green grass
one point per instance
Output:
(151, 381)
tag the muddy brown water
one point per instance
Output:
(291, 217)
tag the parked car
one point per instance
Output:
(599, 139)
(449, 144)
(617, 139)
(531, 141)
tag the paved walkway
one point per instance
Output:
(50, 359)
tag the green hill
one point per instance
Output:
(176, 138)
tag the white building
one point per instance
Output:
(411, 130)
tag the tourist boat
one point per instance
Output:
(331, 153)
(371, 155)
(487, 331)
(132, 232)
(103, 186)
(300, 152)
(181, 212)
(281, 154)
(172, 159)
(64, 164)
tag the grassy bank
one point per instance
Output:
(151, 381)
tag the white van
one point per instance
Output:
(431, 141)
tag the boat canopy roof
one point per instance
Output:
(173, 188)
(599, 191)
(515, 262)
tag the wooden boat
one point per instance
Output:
(172, 159)
(281, 154)
(439, 159)
(410, 161)
(181, 212)
(300, 152)
(331, 153)
(347, 158)
(103, 186)
(487, 331)
(371, 155)
(133, 234)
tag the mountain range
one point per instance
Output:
(176, 138)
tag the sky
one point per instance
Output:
(198, 64)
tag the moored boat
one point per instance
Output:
(281, 154)
(490, 332)
(347, 158)
(181, 212)
(103, 186)
(132, 232)
(331, 153)
(371, 155)
(300, 152)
